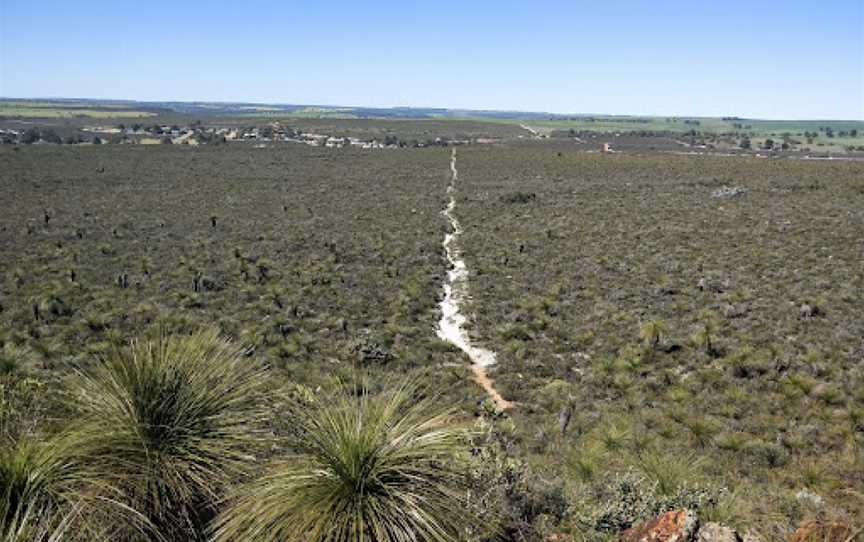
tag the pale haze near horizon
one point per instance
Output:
(770, 59)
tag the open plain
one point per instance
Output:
(666, 330)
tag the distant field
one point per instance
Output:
(406, 129)
(67, 110)
(710, 125)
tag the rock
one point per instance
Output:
(712, 285)
(750, 536)
(730, 310)
(806, 311)
(729, 192)
(714, 532)
(818, 531)
(675, 526)
(808, 497)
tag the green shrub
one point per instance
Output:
(168, 424)
(765, 454)
(622, 500)
(387, 468)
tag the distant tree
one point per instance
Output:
(785, 146)
(50, 136)
(745, 143)
(31, 135)
(769, 144)
(166, 141)
(97, 140)
(853, 132)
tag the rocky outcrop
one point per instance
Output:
(818, 531)
(714, 532)
(683, 526)
(675, 526)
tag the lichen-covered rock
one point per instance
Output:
(674, 526)
(714, 532)
(818, 531)
(729, 192)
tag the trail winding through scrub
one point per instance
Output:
(450, 327)
(534, 133)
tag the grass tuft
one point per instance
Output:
(385, 468)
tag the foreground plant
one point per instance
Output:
(388, 468)
(168, 424)
(34, 482)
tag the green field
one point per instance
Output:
(55, 110)
(706, 124)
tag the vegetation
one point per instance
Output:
(390, 468)
(727, 331)
(710, 359)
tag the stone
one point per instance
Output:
(714, 532)
(729, 192)
(807, 496)
(730, 310)
(818, 531)
(674, 526)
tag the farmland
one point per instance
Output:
(706, 351)
(68, 109)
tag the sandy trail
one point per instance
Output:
(450, 327)
(534, 133)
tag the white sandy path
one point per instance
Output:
(534, 132)
(451, 326)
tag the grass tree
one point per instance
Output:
(705, 336)
(652, 332)
(386, 468)
(34, 483)
(168, 425)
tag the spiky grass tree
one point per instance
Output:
(32, 485)
(41, 493)
(383, 468)
(652, 332)
(168, 424)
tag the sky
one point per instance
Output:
(776, 59)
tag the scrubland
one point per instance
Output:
(664, 347)
(699, 341)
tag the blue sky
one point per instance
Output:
(765, 59)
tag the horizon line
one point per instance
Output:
(395, 107)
